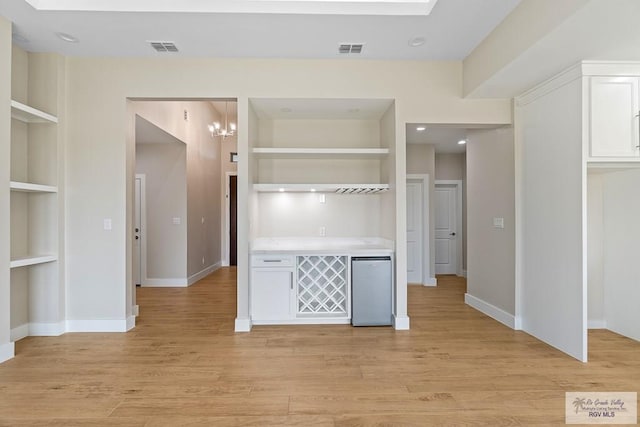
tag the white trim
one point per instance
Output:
(302, 321)
(143, 226)
(131, 322)
(518, 150)
(459, 231)
(227, 220)
(431, 281)
(203, 273)
(426, 230)
(175, 282)
(136, 310)
(565, 77)
(7, 351)
(46, 329)
(242, 325)
(597, 324)
(491, 310)
(401, 323)
(97, 325)
(28, 114)
(19, 332)
(464, 273)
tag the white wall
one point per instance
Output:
(621, 247)
(491, 194)
(6, 346)
(97, 150)
(550, 177)
(595, 260)
(165, 168)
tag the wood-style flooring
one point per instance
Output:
(184, 365)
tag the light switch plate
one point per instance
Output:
(322, 198)
(176, 220)
(107, 224)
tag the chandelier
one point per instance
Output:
(229, 129)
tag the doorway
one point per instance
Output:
(448, 227)
(418, 230)
(233, 220)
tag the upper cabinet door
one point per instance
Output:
(614, 117)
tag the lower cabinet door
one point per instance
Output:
(271, 292)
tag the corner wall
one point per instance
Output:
(491, 250)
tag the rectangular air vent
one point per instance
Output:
(164, 47)
(347, 48)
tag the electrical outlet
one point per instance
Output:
(107, 224)
(323, 231)
(203, 220)
(176, 220)
(186, 115)
(322, 198)
(202, 260)
(498, 222)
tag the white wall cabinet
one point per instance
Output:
(614, 105)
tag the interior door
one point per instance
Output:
(414, 231)
(446, 233)
(233, 220)
(137, 233)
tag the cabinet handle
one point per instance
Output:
(272, 260)
(291, 280)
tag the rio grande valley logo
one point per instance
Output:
(601, 408)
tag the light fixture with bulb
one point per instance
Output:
(229, 128)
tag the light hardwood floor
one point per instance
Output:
(183, 365)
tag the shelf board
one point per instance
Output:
(296, 153)
(32, 188)
(28, 114)
(322, 188)
(31, 260)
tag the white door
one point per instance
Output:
(137, 234)
(414, 231)
(446, 233)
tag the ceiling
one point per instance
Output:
(444, 137)
(452, 30)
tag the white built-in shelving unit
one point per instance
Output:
(37, 291)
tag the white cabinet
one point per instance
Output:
(613, 119)
(272, 288)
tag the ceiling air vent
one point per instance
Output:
(164, 47)
(350, 48)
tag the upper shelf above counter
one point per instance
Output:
(29, 114)
(296, 153)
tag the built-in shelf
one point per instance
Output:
(322, 188)
(28, 114)
(31, 260)
(32, 188)
(295, 153)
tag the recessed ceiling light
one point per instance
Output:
(417, 41)
(286, 110)
(67, 37)
(462, 142)
(281, 190)
(313, 190)
(421, 128)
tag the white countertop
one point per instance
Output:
(323, 245)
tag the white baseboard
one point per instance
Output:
(101, 325)
(202, 274)
(401, 323)
(243, 325)
(7, 351)
(20, 332)
(491, 310)
(177, 282)
(131, 322)
(431, 281)
(464, 273)
(597, 324)
(46, 329)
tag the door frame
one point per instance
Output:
(143, 226)
(227, 220)
(428, 279)
(460, 233)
